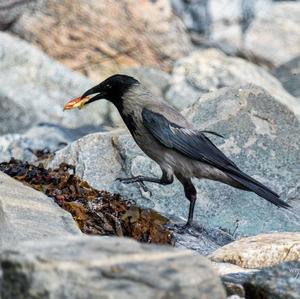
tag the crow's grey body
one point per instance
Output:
(170, 140)
(170, 161)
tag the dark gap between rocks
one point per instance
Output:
(96, 212)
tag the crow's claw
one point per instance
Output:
(145, 188)
(135, 180)
(125, 180)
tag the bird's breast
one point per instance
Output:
(131, 123)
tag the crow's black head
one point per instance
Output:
(111, 89)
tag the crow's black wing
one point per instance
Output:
(191, 143)
(197, 146)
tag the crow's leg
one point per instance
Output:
(165, 179)
(191, 194)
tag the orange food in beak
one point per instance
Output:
(76, 103)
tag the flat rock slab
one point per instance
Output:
(101, 267)
(260, 251)
(26, 214)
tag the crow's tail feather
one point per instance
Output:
(251, 184)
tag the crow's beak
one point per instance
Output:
(77, 103)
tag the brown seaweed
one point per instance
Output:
(96, 212)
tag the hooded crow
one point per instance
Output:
(169, 139)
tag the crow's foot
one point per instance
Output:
(135, 180)
(128, 180)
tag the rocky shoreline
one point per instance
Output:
(231, 67)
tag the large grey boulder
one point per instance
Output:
(37, 83)
(265, 31)
(98, 267)
(273, 38)
(208, 70)
(262, 136)
(26, 214)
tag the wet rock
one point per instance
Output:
(94, 267)
(289, 75)
(278, 282)
(204, 240)
(273, 38)
(37, 83)
(208, 70)
(259, 133)
(146, 32)
(26, 214)
(260, 251)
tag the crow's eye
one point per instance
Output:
(108, 86)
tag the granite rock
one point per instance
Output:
(273, 38)
(101, 267)
(40, 86)
(208, 70)
(277, 282)
(26, 214)
(109, 39)
(260, 251)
